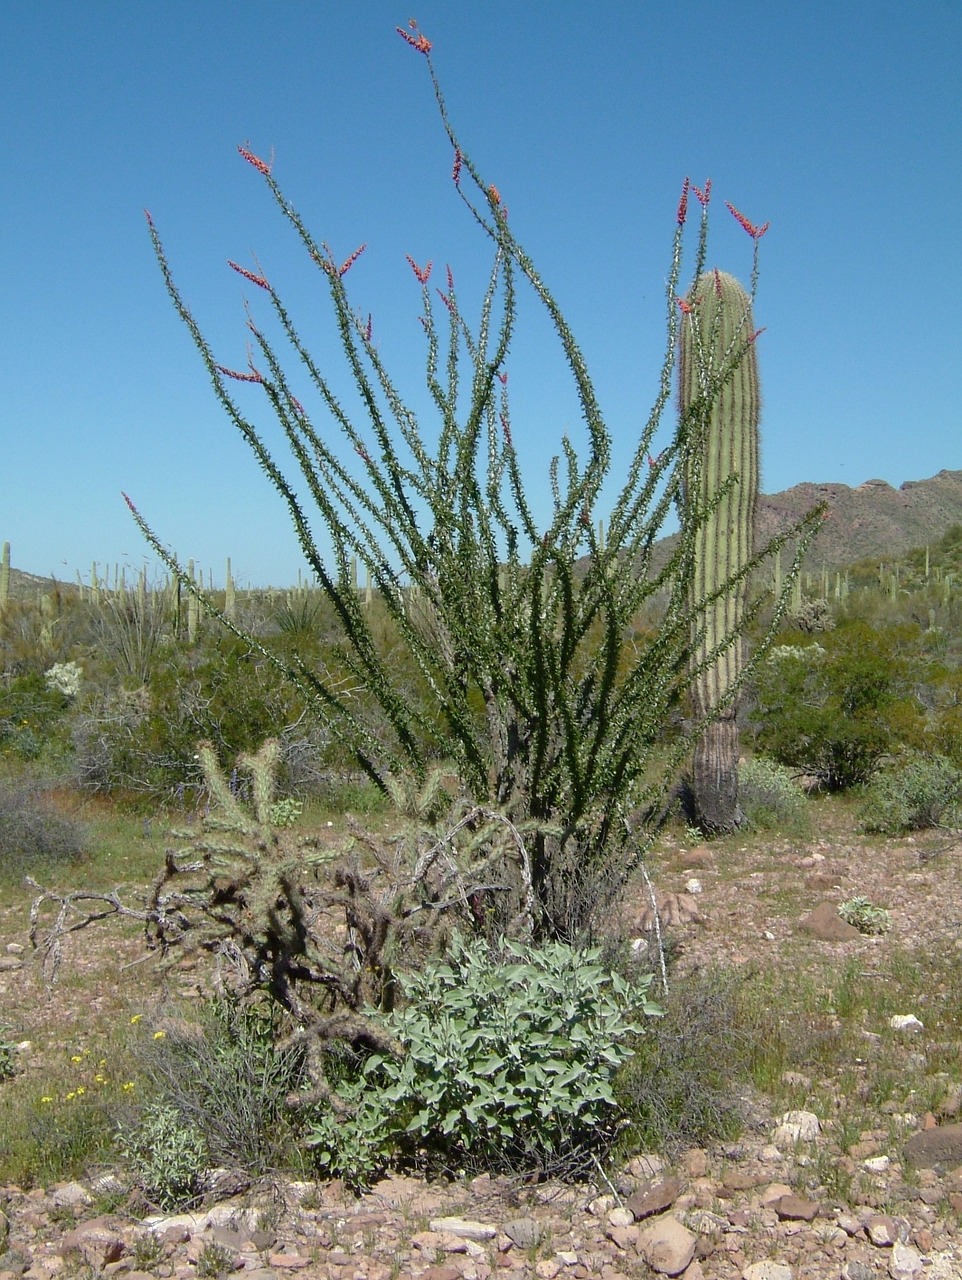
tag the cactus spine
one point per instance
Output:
(719, 396)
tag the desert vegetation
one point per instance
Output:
(388, 844)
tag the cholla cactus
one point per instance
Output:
(65, 678)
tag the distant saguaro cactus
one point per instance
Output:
(719, 397)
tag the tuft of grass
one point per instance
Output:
(680, 1088)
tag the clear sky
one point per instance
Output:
(839, 123)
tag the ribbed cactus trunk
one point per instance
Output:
(719, 391)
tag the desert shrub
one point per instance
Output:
(835, 709)
(226, 1079)
(34, 720)
(508, 1059)
(166, 1155)
(680, 1087)
(865, 916)
(145, 740)
(769, 796)
(33, 835)
(915, 792)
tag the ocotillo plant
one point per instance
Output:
(721, 403)
(554, 709)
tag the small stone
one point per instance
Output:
(882, 1230)
(770, 1154)
(774, 1192)
(619, 1217)
(567, 1257)
(795, 1208)
(767, 1270)
(795, 1127)
(624, 1238)
(70, 1195)
(464, 1228)
(905, 1262)
(10, 964)
(523, 1232)
(740, 1180)
(696, 1162)
(667, 1245)
(288, 1261)
(547, 1269)
(693, 885)
(939, 1148)
(851, 1226)
(654, 1197)
(905, 1022)
(855, 1270)
(877, 1164)
(645, 1166)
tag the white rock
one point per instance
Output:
(619, 1217)
(877, 1164)
(905, 1022)
(794, 1127)
(905, 1262)
(693, 886)
(464, 1228)
(767, 1270)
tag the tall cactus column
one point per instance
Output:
(719, 394)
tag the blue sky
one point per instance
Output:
(838, 123)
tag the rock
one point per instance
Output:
(619, 1217)
(795, 1127)
(882, 1230)
(673, 909)
(645, 1166)
(70, 1195)
(667, 1245)
(826, 925)
(523, 1232)
(905, 1262)
(98, 1242)
(877, 1164)
(653, 1197)
(767, 1270)
(855, 1270)
(464, 1228)
(906, 1022)
(794, 1208)
(10, 964)
(547, 1269)
(939, 1148)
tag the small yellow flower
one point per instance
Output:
(128, 1087)
(135, 1019)
(70, 1097)
(46, 1099)
(102, 1063)
(80, 1091)
(159, 1035)
(76, 1058)
(100, 1079)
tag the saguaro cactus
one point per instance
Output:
(719, 399)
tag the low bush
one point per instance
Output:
(770, 797)
(507, 1064)
(33, 835)
(166, 1156)
(224, 1077)
(679, 1089)
(915, 792)
(865, 916)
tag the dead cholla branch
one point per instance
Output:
(320, 930)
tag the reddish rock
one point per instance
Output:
(825, 924)
(938, 1148)
(654, 1197)
(795, 1208)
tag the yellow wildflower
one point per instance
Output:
(159, 1035)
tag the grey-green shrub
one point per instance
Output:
(507, 1065)
(166, 1155)
(33, 834)
(226, 1078)
(915, 792)
(769, 796)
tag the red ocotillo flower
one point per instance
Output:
(260, 281)
(703, 196)
(683, 204)
(756, 333)
(419, 42)
(494, 194)
(260, 165)
(756, 233)
(685, 307)
(422, 273)
(456, 170)
(253, 376)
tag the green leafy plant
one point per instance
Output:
(166, 1155)
(508, 1059)
(866, 917)
(522, 630)
(913, 793)
(8, 1056)
(770, 797)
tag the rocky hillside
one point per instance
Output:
(871, 520)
